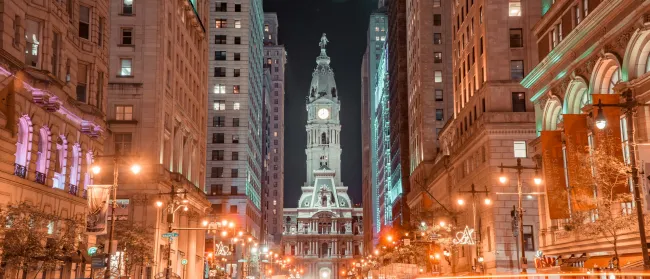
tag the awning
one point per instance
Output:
(598, 262)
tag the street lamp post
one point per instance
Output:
(172, 207)
(487, 201)
(519, 168)
(629, 107)
(96, 169)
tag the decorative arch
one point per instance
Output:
(552, 114)
(606, 74)
(576, 96)
(60, 163)
(43, 154)
(75, 166)
(23, 145)
(636, 61)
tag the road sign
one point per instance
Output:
(98, 262)
(170, 235)
(184, 261)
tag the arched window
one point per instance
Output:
(23, 144)
(88, 179)
(613, 80)
(324, 250)
(60, 162)
(74, 168)
(42, 155)
(323, 138)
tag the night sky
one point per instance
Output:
(302, 23)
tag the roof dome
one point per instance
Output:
(322, 81)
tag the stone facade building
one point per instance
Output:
(588, 51)
(275, 59)
(324, 233)
(53, 80)
(492, 124)
(429, 69)
(157, 97)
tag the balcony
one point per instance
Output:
(20, 170)
(40, 178)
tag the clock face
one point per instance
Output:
(323, 113)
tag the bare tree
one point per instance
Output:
(134, 243)
(605, 214)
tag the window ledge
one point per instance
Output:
(114, 121)
(121, 14)
(121, 76)
(124, 45)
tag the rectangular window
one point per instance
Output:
(235, 122)
(436, 3)
(235, 106)
(235, 89)
(123, 112)
(519, 148)
(217, 155)
(439, 115)
(218, 138)
(82, 82)
(219, 89)
(100, 31)
(517, 69)
(216, 172)
(216, 189)
(529, 238)
(216, 208)
(519, 102)
(480, 15)
(220, 55)
(237, 23)
(235, 139)
(127, 7)
(123, 143)
(126, 67)
(219, 105)
(237, 57)
(220, 23)
(100, 89)
(219, 121)
(576, 15)
(437, 57)
(236, 72)
(234, 173)
(238, 8)
(233, 190)
(56, 53)
(84, 22)
(233, 209)
(235, 156)
(127, 36)
(439, 96)
(516, 38)
(514, 8)
(32, 42)
(221, 7)
(437, 76)
(238, 40)
(437, 38)
(585, 7)
(220, 39)
(219, 71)
(437, 20)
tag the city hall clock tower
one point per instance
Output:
(323, 123)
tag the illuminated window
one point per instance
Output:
(237, 23)
(127, 7)
(275, 134)
(219, 89)
(235, 106)
(514, 8)
(235, 89)
(124, 112)
(125, 66)
(520, 149)
(266, 28)
(32, 42)
(220, 23)
(219, 105)
(437, 76)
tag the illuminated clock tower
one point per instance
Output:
(323, 125)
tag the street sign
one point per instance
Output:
(170, 235)
(98, 262)
(184, 261)
(92, 251)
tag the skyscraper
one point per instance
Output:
(324, 231)
(274, 60)
(429, 41)
(235, 98)
(155, 115)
